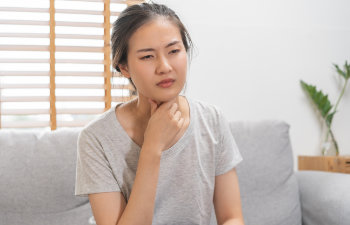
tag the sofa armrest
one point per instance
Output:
(324, 197)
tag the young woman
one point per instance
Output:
(161, 158)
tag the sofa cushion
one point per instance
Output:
(268, 185)
(325, 197)
(39, 170)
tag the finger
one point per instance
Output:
(168, 104)
(181, 122)
(177, 115)
(173, 109)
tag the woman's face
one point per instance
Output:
(156, 53)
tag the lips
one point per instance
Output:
(166, 81)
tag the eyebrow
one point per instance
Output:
(152, 49)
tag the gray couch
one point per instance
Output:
(37, 174)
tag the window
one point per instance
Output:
(55, 62)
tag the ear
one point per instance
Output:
(124, 70)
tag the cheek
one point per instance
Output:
(181, 63)
(139, 70)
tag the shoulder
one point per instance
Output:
(99, 125)
(206, 110)
(208, 117)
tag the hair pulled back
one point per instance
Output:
(132, 18)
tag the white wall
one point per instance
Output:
(251, 54)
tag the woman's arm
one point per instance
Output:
(140, 207)
(107, 207)
(227, 200)
(164, 124)
(111, 209)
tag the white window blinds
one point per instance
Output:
(55, 62)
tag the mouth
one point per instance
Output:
(166, 83)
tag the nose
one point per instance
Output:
(163, 65)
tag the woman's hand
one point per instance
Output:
(164, 124)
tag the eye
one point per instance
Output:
(146, 57)
(175, 51)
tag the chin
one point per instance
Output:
(166, 98)
(165, 95)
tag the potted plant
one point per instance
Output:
(327, 111)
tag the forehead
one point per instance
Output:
(154, 34)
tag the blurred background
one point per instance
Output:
(82, 84)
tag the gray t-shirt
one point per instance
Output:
(107, 161)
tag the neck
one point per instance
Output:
(142, 108)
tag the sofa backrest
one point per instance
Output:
(268, 185)
(37, 176)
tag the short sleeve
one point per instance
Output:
(228, 155)
(93, 172)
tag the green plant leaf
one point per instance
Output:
(347, 69)
(326, 104)
(319, 99)
(340, 72)
(344, 73)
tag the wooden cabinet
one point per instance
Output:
(338, 164)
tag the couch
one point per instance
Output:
(37, 177)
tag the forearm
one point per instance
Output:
(236, 221)
(140, 207)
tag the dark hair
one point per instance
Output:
(132, 18)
